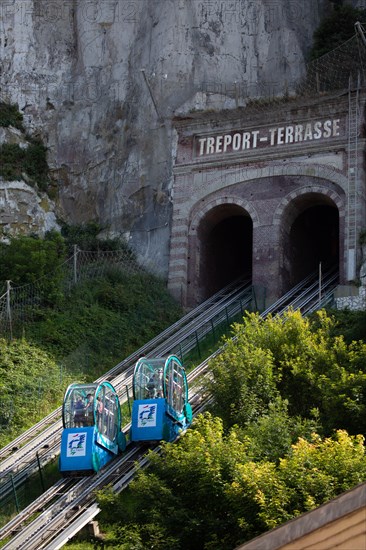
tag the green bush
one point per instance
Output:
(31, 384)
(206, 492)
(10, 116)
(16, 161)
(30, 260)
(86, 237)
(299, 358)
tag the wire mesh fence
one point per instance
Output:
(343, 68)
(20, 304)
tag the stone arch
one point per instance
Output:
(321, 190)
(220, 192)
(199, 212)
(323, 210)
(220, 244)
(237, 174)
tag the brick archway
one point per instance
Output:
(276, 183)
(240, 218)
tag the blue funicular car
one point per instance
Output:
(160, 410)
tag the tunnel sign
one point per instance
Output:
(245, 140)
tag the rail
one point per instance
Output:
(21, 461)
(76, 507)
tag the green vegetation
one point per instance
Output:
(18, 162)
(10, 116)
(336, 29)
(73, 334)
(86, 238)
(286, 434)
(299, 360)
(103, 321)
(30, 260)
(31, 386)
(30, 162)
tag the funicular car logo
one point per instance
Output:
(76, 444)
(147, 415)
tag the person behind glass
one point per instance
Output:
(79, 416)
(89, 410)
(99, 413)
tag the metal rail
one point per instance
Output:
(23, 461)
(62, 520)
(76, 504)
(217, 298)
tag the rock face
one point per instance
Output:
(100, 81)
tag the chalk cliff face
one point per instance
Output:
(100, 80)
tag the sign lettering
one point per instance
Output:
(253, 139)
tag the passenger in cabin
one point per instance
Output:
(89, 410)
(151, 388)
(100, 408)
(160, 383)
(79, 416)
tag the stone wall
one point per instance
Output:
(353, 303)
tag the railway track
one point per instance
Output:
(70, 503)
(62, 519)
(22, 457)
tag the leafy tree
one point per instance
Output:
(349, 324)
(206, 493)
(313, 473)
(243, 382)
(182, 495)
(319, 470)
(336, 29)
(297, 358)
(271, 435)
(26, 260)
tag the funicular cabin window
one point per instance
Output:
(175, 385)
(109, 416)
(78, 406)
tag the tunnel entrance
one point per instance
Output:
(313, 238)
(226, 236)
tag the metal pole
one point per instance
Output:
(151, 94)
(75, 263)
(128, 400)
(320, 283)
(40, 472)
(198, 344)
(359, 30)
(8, 288)
(213, 331)
(15, 493)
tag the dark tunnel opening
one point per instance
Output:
(227, 253)
(314, 239)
